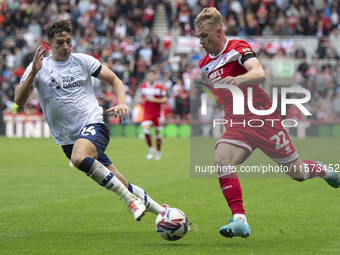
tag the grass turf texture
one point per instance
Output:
(49, 208)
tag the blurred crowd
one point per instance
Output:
(322, 79)
(120, 34)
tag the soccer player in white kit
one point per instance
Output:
(64, 88)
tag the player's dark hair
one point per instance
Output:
(57, 27)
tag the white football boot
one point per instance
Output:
(150, 154)
(158, 155)
(137, 208)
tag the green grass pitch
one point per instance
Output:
(47, 207)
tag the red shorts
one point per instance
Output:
(152, 120)
(271, 138)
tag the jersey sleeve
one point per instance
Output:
(245, 51)
(92, 64)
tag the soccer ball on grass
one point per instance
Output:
(172, 224)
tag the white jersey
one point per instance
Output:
(66, 95)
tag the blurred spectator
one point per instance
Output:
(333, 54)
(298, 80)
(176, 29)
(141, 68)
(304, 68)
(153, 40)
(336, 76)
(285, 27)
(146, 54)
(184, 15)
(119, 69)
(120, 27)
(168, 10)
(262, 15)
(300, 53)
(280, 55)
(309, 84)
(235, 7)
(167, 40)
(303, 21)
(314, 68)
(181, 100)
(321, 51)
(334, 18)
(291, 11)
(267, 30)
(327, 78)
(251, 23)
(35, 29)
(312, 24)
(231, 25)
(242, 29)
(223, 7)
(336, 102)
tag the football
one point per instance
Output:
(172, 224)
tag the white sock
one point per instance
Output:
(241, 217)
(105, 177)
(327, 174)
(151, 205)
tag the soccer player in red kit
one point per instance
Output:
(233, 62)
(153, 95)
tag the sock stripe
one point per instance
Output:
(107, 179)
(146, 199)
(86, 164)
(130, 188)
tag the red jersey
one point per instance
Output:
(271, 138)
(157, 90)
(228, 63)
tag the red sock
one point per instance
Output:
(148, 139)
(158, 143)
(232, 192)
(315, 170)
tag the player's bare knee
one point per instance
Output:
(76, 160)
(220, 161)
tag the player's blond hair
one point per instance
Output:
(210, 16)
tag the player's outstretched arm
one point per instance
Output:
(254, 75)
(154, 99)
(121, 110)
(23, 90)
